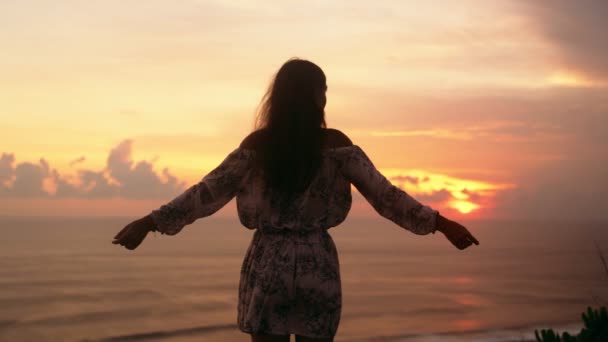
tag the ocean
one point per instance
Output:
(61, 279)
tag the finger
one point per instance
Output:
(468, 239)
(131, 235)
(125, 241)
(121, 239)
(126, 244)
(122, 231)
(473, 239)
(132, 245)
(461, 241)
(464, 243)
(118, 241)
(134, 240)
(459, 244)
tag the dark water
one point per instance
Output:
(63, 280)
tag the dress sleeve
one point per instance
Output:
(387, 199)
(214, 191)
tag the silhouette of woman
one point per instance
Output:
(292, 180)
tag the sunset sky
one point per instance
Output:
(481, 109)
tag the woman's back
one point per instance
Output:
(325, 203)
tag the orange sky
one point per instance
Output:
(481, 109)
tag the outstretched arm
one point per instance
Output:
(206, 197)
(387, 199)
(214, 191)
(398, 206)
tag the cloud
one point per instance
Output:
(440, 196)
(495, 131)
(139, 181)
(577, 29)
(6, 167)
(122, 177)
(29, 178)
(64, 188)
(77, 161)
(447, 193)
(572, 189)
(119, 161)
(435, 133)
(409, 179)
(92, 184)
(472, 195)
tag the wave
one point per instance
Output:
(164, 334)
(6, 323)
(411, 312)
(521, 333)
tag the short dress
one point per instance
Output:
(290, 276)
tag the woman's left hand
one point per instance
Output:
(134, 233)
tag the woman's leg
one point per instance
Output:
(310, 339)
(269, 338)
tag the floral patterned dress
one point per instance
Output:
(290, 276)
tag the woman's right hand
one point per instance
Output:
(458, 235)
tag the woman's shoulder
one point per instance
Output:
(334, 138)
(254, 139)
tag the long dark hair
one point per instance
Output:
(292, 124)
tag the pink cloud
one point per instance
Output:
(122, 177)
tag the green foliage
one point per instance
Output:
(595, 330)
(596, 326)
(551, 336)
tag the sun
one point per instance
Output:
(466, 197)
(464, 207)
(569, 79)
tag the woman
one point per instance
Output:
(292, 179)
